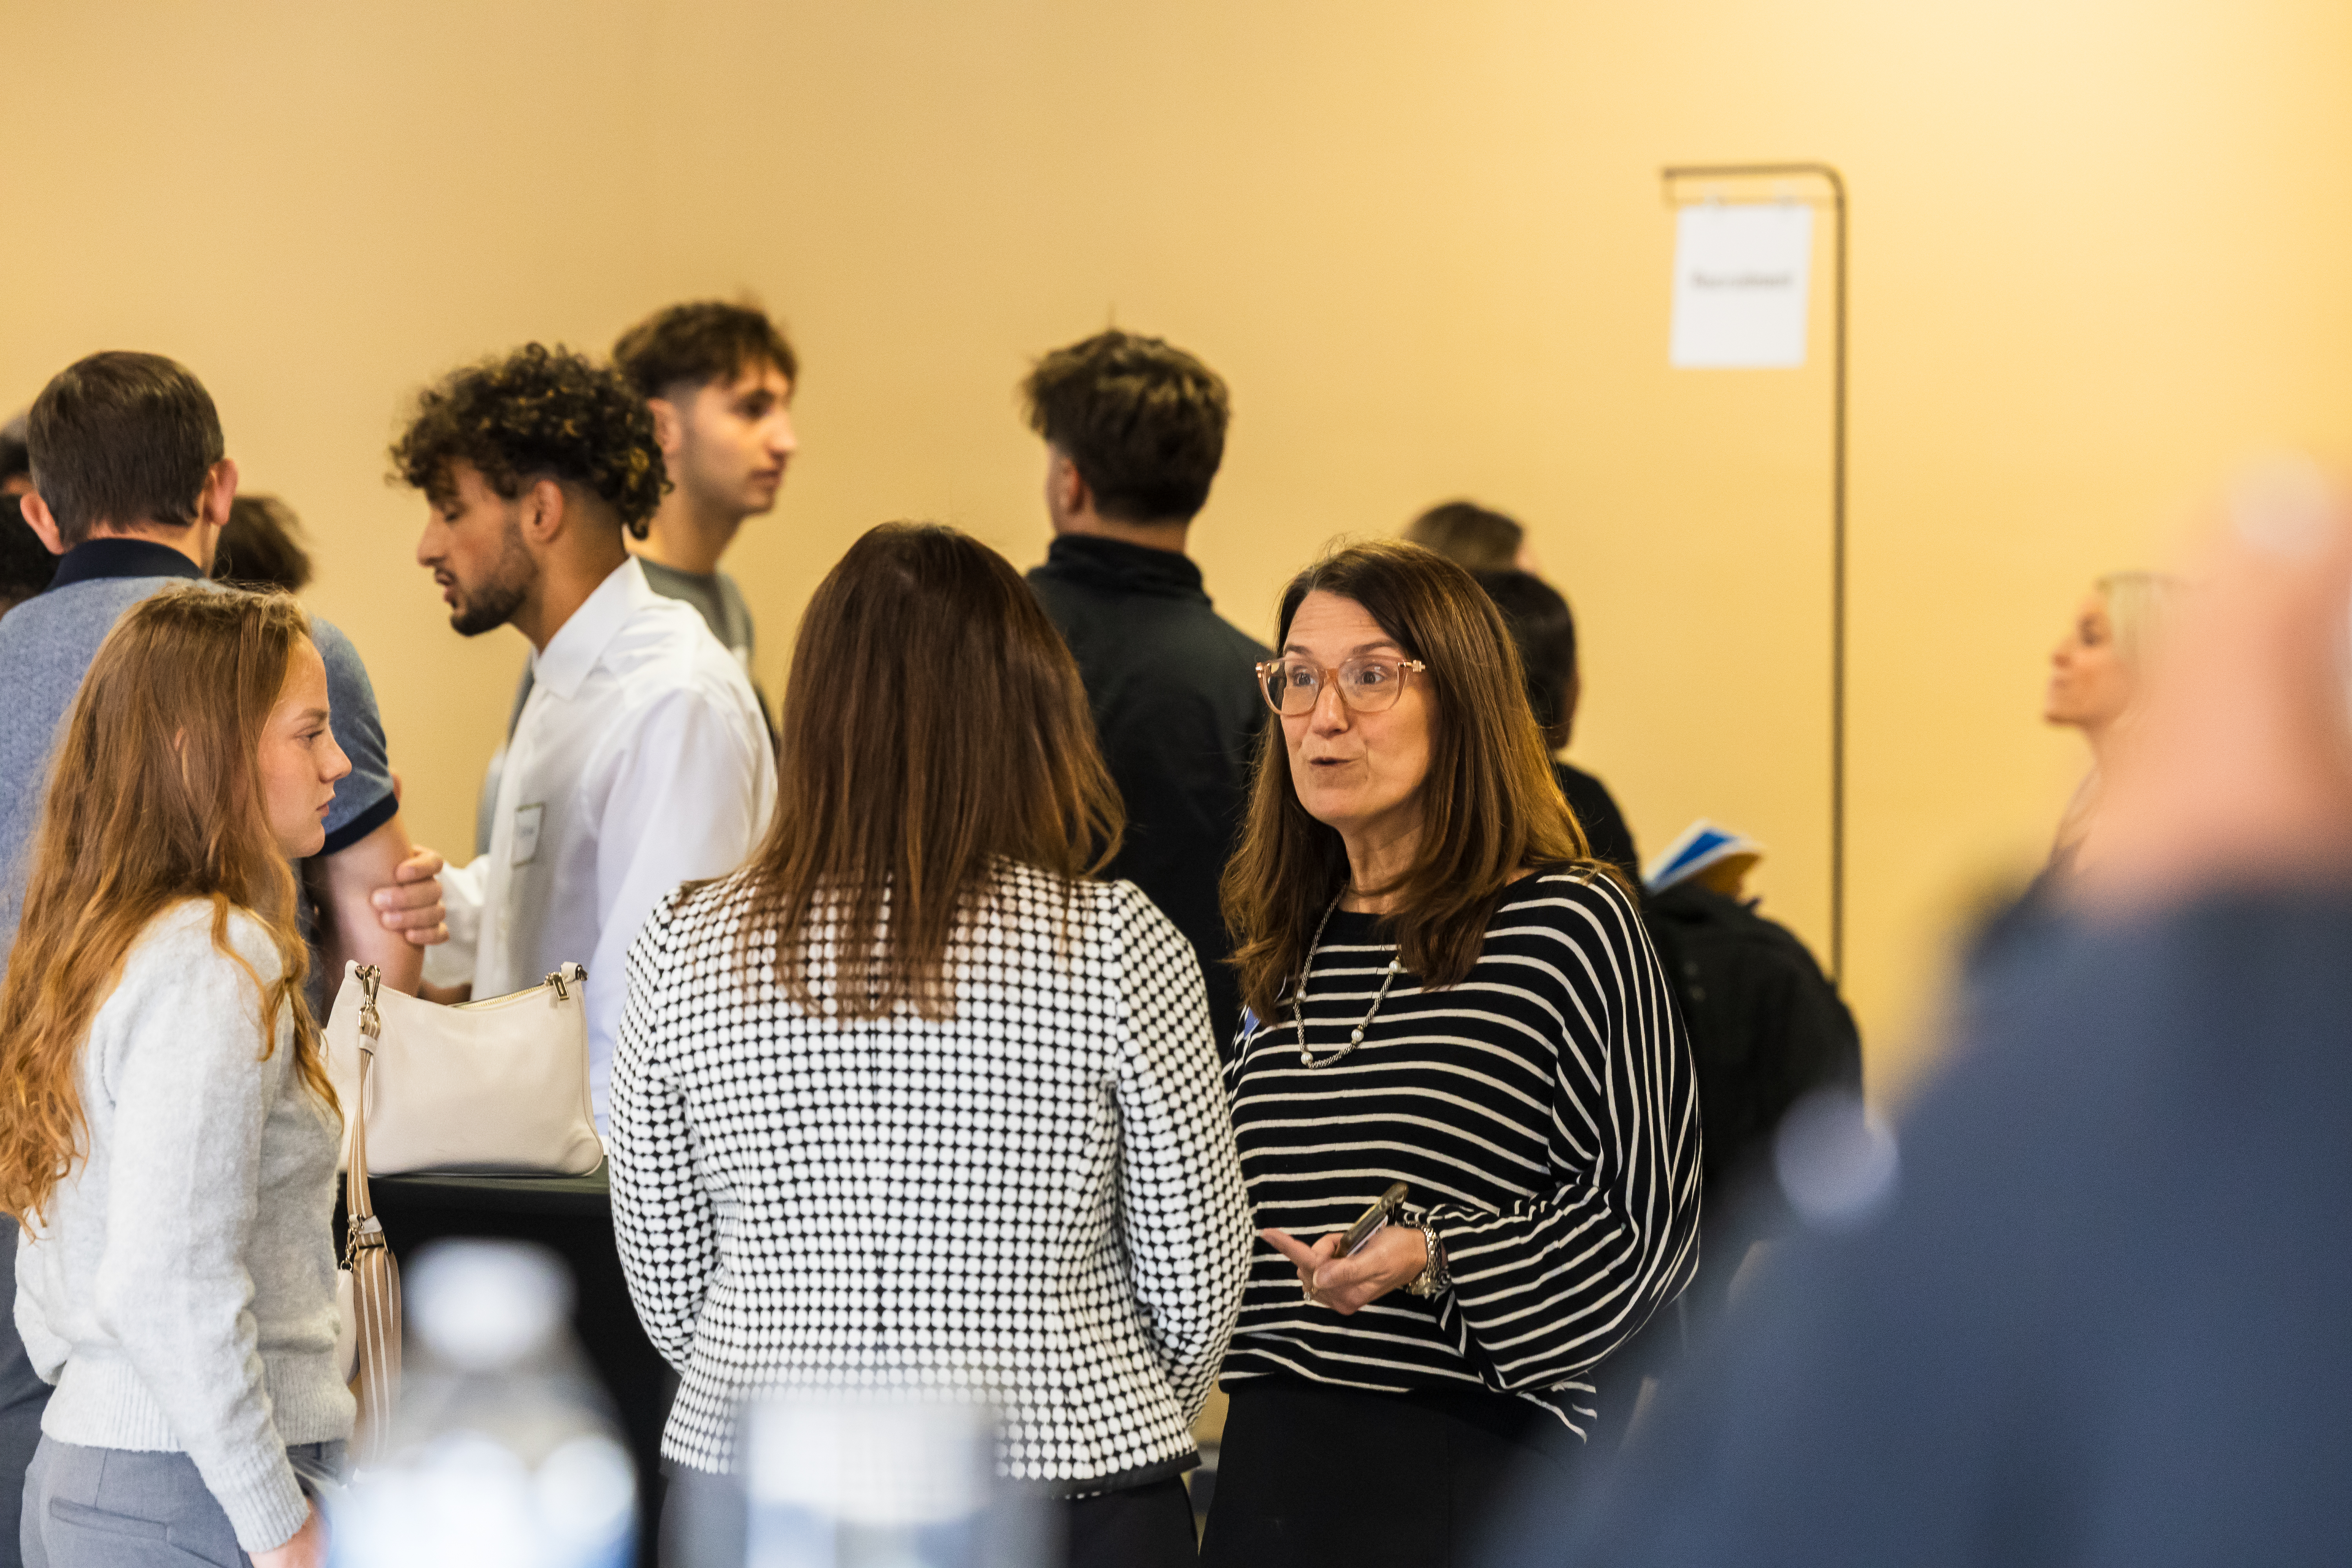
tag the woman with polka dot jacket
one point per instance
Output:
(911, 1099)
(1446, 994)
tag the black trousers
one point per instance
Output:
(1150, 1526)
(1310, 1474)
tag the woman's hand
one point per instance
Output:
(307, 1547)
(1348, 1285)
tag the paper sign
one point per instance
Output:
(1740, 277)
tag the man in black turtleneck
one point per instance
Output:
(1134, 430)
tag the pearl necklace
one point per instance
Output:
(1298, 1005)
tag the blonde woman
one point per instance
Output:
(2096, 674)
(170, 1137)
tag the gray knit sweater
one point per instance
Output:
(180, 1288)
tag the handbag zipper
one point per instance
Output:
(554, 978)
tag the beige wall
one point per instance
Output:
(2098, 250)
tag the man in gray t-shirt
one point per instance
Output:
(720, 380)
(714, 596)
(130, 488)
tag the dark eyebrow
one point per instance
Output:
(314, 715)
(1361, 648)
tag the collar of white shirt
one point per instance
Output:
(581, 641)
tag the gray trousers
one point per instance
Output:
(111, 1508)
(23, 1397)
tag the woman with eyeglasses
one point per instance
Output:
(1445, 992)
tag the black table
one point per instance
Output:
(572, 1216)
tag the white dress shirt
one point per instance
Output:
(641, 761)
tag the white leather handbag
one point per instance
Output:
(499, 1086)
(367, 1286)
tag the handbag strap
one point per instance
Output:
(364, 1230)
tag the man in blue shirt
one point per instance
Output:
(131, 486)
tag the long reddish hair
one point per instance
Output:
(1491, 807)
(155, 798)
(935, 726)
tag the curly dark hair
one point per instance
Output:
(538, 413)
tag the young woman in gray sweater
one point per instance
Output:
(171, 1140)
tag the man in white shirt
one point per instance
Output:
(718, 379)
(640, 760)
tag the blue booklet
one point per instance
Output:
(1714, 857)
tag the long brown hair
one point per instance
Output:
(934, 725)
(1490, 806)
(155, 797)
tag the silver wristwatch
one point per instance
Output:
(1434, 1274)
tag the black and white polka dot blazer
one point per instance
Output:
(1038, 1198)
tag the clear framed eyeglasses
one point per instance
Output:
(1366, 685)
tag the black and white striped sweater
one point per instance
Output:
(1543, 1110)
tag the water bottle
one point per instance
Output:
(883, 1482)
(503, 1451)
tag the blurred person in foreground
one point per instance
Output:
(172, 1135)
(2096, 673)
(1447, 991)
(1134, 430)
(1543, 629)
(2089, 1308)
(917, 1022)
(261, 547)
(1476, 538)
(640, 759)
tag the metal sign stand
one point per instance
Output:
(1674, 177)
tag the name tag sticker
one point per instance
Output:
(526, 833)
